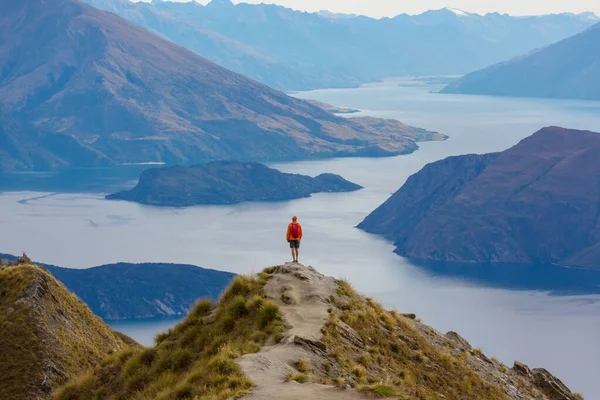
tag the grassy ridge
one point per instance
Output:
(194, 360)
(382, 353)
(47, 335)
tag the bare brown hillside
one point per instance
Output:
(132, 96)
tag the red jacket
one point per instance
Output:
(290, 236)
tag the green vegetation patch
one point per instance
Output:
(195, 359)
(382, 353)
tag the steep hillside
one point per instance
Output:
(134, 97)
(226, 182)
(232, 54)
(292, 333)
(567, 69)
(47, 335)
(131, 291)
(22, 146)
(294, 50)
(536, 203)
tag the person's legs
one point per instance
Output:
(297, 250)
(293, 253)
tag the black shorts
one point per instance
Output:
(294, 244)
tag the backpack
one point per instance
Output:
(295, 231)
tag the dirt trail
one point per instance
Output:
(303, 296)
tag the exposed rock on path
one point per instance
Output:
(312, 306)
(302, 295)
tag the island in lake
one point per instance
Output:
(226, 182)
(535, 203)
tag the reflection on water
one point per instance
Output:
(555, 280)
(78, 180)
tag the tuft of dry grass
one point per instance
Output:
(195, 359)
(378, 390)
(386, 347)
(302, 365)
(42, 322)
(300, 378)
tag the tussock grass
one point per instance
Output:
(393, 351)
(300, 378)
(379, 390)
(195, 359)
(42, 322)
(302, 365)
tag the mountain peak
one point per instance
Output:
(220, 4)
(41, 330)
(458, 12)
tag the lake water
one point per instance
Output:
(505, 317)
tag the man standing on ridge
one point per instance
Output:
(293, 236)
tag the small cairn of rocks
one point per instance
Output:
(24, 259)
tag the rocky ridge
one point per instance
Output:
(312, 306)
(292, 333)
(47, 335)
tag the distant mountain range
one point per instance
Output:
(293, 50)
(132, 291)
(567, 69)
(226, 182)
(536, 203)
(116, 93)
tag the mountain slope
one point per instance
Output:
(294, 50)
(536, 203)
(227, 52)
(131, 291)
(47, 335)
(226, 182)
(24, 147)
(135, 97)
(567, 69)
(335, 344)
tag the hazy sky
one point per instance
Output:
(379, 8)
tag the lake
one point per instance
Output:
(511, 317)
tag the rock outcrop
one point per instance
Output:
(226, 182)
(544, 381)
(536, 203)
